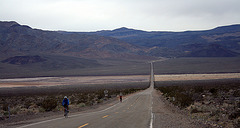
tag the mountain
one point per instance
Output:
(22, 60)
(20, 39)
(158, 38)
(28, 52)
(122, 43)
(174, 44)
(211, 50)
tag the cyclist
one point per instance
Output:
(65, 104)
(120, 96)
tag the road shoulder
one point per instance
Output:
(167, 115)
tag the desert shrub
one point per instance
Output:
(237, 124)
(198, 89)
(27, 104)
(183, 100)
(15, 110)
(195, 110)
(89, 103)
(236, 93)
(73, 99)
(215, 113)
(99, 100)
(91, 97)
(100, 94)
(39, 103)
(49, 103)
(81, 105)
(82, 98)
(41, 109)
(213, 90)
(238, 105)
(5, 113)
(5, 107)
(234, 115)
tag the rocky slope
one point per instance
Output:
(174, 44)
(120, 43)
(20, 39)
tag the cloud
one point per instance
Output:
(91, 15)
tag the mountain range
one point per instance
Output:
(20, 39)
(122, 43)
(219, 42)
(28, 52)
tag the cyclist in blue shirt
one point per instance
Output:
(65, 103)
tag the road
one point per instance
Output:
(133, 112)
(136, 111)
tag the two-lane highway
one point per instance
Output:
(140, 110)
(134, 112)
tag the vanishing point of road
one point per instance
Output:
(140, 110)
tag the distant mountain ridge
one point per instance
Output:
(20, 39)
(177, 44)
(122, 43)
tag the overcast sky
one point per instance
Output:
(149, 15)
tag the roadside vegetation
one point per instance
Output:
(214, 102)
(35, 100)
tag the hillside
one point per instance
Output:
(122, 43)
(177, 44)
(22, 60)
(27, 52)
(19, 39)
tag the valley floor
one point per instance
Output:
(84, 80)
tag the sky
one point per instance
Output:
(95, 15)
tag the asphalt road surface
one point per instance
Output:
(133, 112)
(136, 111)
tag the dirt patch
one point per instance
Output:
(196, 76)
(53, 81)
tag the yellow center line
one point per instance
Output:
(83, 125)
(105, 116)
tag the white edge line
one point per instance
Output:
(151, 122)
(152, 115)
(40, 122)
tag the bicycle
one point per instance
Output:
(120, 98)
(66, 111)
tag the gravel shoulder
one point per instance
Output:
(168, 116)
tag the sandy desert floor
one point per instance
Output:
(196, 76)
(53, 81)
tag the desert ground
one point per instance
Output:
(87, 91)
(54, 81)
(196, 77)
(86, 80)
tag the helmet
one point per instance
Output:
(65, 97)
